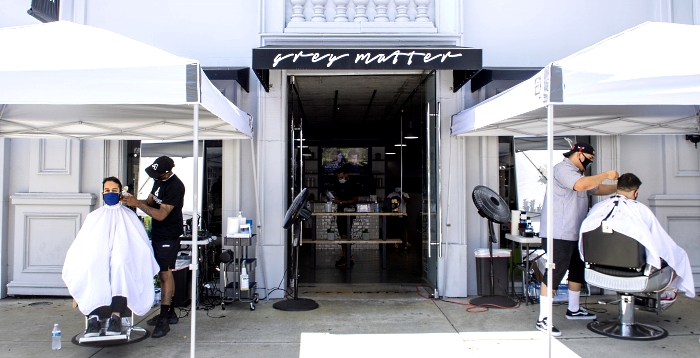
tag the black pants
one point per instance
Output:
(118, 305)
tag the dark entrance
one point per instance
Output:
(375, 125)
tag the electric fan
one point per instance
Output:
(491, 206)
(296, 214)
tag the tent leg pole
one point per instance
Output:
(550, 224)
(257, 209)
(195, 228)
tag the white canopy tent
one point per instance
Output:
(645, 80)
(73, 81)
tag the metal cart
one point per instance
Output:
(234, 256)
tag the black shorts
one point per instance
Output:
(566, 257)
(165, 252)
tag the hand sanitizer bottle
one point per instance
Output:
(244, 279)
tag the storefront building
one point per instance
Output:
(280, 60)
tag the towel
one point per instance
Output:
(111, 256)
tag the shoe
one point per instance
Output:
(162, 328)
(580, 314)
(93, 327)
(352, 262)
(172, 319)
(342, 262)
(667, 298)
(542, 326)
(115, 326)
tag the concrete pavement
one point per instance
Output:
(355, 316)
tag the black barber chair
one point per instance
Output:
(617, 262)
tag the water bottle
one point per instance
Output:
(56, 337)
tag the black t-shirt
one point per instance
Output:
(345, 191)
(170, 192)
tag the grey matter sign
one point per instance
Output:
(367, 58)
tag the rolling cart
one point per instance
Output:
(234, 256)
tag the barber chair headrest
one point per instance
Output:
(612, 249)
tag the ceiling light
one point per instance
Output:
(399, 145)
(409, 133)
(389, 153)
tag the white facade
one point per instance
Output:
(45, 180)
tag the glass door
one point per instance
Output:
(431, 180)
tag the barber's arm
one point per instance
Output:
(147, 207)
(590, 182)
(605, 189)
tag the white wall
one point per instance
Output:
(516, 33)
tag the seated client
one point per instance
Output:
(635, 220)
(110, 263)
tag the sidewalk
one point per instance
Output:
(357, 321)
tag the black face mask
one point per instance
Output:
(586, 162)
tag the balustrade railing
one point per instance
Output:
(360, 15)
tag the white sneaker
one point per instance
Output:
(542, 326)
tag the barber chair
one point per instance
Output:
(130, 332)
(617, 262)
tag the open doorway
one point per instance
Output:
(374, 126)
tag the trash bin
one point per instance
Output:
(500, 272)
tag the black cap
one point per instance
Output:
(160, 166)
(580, 147)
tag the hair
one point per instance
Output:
(628, 182)
(112, 179)
(353, 152)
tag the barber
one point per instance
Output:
(164, 205)
(345, 192)
(570, 200)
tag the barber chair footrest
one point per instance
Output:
(636, 331)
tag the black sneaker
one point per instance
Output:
(342, 262)
(542, 326)
(115, 326)
(93, 327)
(580, 314)
(162, 328)
(172, 319)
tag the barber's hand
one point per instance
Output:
(130, 200)
(336, 201)
(611, 175)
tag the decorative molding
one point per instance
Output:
(44, 166)
(37, 288)
(674, 200)
(677, 157)
(33, 219)
(53, 199)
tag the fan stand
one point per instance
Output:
(493, 300)
(296, 303)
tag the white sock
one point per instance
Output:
(544, 303)
(574, 300)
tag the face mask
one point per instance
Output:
(586, 162)
(341, 181)
(111, 198)
(636, 195)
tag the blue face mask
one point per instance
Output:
(341, 181)
(111, 198)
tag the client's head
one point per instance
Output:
(111, 187)
(628, 185)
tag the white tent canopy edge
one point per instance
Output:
(100, 85)
(645, 80)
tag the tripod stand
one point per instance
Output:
(296, 303)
